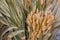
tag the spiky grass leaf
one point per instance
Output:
(15, 33)
(12, 14)
(9, 29)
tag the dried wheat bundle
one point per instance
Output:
(39, 22)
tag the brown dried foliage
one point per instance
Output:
(39, 22)
(27, 3)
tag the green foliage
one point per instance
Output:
(11, 14)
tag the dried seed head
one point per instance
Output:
(42, 1)
(27, 3)
(39, 21)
